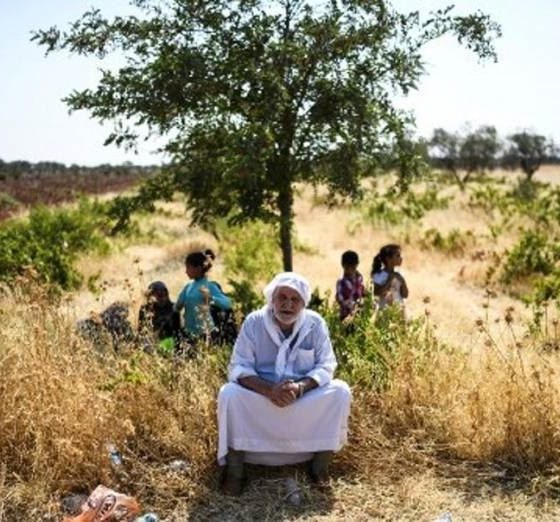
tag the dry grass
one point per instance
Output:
(432, 442)
(470, 428)
(62, 402)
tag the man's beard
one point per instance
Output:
(286, 318)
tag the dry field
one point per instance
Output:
(470, 429)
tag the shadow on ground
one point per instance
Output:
(265, 498)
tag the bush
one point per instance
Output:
(533, 254)
(8, 203)
(368, 348)
(49, 242)
(454, 243)
(392, 208)
(249, 251)
(244, 298)
(548, 288)
(489, 199)
(537, 202)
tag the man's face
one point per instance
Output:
(286, 305)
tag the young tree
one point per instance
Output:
(479, 150)
(528, 151)
(253, 95)
(444, 148)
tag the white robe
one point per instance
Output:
(270, 434)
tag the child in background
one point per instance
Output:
(350, 288)
(388, 284)
(197, 297)
(157, 320)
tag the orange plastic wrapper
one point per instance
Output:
(106, 505)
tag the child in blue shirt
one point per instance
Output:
(197, 296)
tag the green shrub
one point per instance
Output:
(251, 257)
(49, 242)
(8, 203)
(454, 243)
(489, 199)
(392, 208)
(249, 251)
(543, 210)
(382, 211)
(547, 288)
(244, 297)
(536, 202)
(368, 348)
(533, 254)
(416, 205)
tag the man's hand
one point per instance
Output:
(284, 393)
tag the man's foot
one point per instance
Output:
(232, 486)
(233, 476)
(319, 466)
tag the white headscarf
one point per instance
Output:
(292, 280)
(286, 347)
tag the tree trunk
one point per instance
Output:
(285, 204)
(459, 179)
(529, 167)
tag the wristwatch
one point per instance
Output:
(301, 389)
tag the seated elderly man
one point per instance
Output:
(282, 405)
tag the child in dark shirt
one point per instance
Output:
(157, 317)
(350, 287)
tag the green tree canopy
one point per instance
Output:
(444, 147)
(479, 149)
(254, 96)
(470, 151)
(528, 151)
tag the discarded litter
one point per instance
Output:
(72, 504)
(148, 517)
(114, 455)
(178, 466)
(293, 494)
(445, 517)
(106, 505)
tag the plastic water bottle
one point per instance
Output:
(178, 466)
(114, 455)
(148, 517)
(293, 495)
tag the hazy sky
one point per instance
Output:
(520, 91)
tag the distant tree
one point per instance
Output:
(479, 150)
(528, 151)
(409, 159)
(49, 167)
(16, 168)
(444, 150)
(252, 95)
(463, 154)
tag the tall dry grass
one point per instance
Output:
(499, 405)
(479, 402)
(63, 401)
